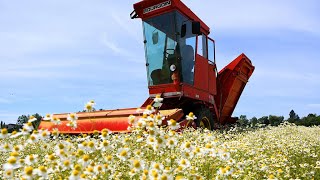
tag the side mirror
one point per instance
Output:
(155, 37)
(183, 30)
(196, 27)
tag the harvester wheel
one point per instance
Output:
(204, 118)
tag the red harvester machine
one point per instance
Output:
(181, 66)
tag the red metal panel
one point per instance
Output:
(164, 88)
(212, 79)
(201, 80)
(194, 93)
(231, 82)
(175, 5)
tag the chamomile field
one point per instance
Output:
(154, 152)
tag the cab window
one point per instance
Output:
(202, 46)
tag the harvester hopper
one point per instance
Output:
(181, 67)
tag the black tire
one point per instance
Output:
(204, 118)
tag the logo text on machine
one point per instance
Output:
(156, 7)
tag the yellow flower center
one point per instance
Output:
(149, 107)
(159, 140)
(173, 122)
(145, 172)
(91, 144)
(164, 177)
(61, 146)
(136, 164)
(156, 166)
(75, 173)
(96, 132)
(89, 106)
(188, 144)
(12, 160)
(228, 168)
(86, 157)
(31, 158)
(66, 163)
(223, 170)
(105, 143)
(154, 173)
(179, 168)
(6, 146)
(84, 143)
(208, 146)
(15, 153)
(51, 157)
(44, 133)
(32, 137)
(271, 176)
(90, 169)
(106, 165)
(4, 131)
(123, 153)
(42, 169)
(55, 132)
(109, 158)
(99, 168)
(197, 150)
(8, 172)
(28, 170)
(77, 167)
(171, 142)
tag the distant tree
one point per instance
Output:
(264, 120)
(22, 119)
(275, 120)
(253, 121)
(243, 120)
(310, 120)
(2, 125)
(293, 117)
(37, 122)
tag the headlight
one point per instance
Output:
(173, 67)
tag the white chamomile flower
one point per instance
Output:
(173, 125)
(48, 117)
(32, 119)
(191, 116)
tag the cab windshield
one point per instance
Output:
(162, 46)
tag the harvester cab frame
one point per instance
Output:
(181, 67)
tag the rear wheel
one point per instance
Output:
(204, 118)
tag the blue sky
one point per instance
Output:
(57, 55)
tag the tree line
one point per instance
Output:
(309, 120)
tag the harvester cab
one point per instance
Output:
(181, 67)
